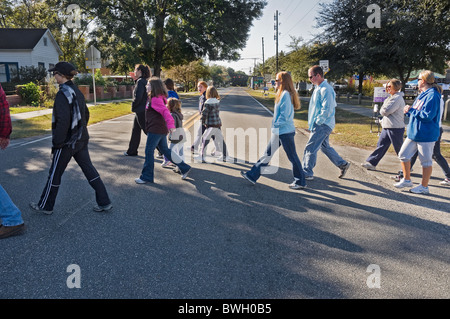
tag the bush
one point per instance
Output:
(369, 88)
(30, 74)
(30, 94)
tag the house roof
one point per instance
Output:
(22, 39)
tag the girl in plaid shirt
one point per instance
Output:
(212, 122)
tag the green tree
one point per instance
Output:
(189, 74)
(52, 15)
(413, 35)
(164, 33)
(219, 75)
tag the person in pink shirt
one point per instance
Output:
(158, 123)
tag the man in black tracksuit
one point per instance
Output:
(70, 139)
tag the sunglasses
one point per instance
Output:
(312, 76)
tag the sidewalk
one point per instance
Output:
(28, 115)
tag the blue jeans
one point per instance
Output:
(10, 215)
(288, 143)
(160, 141)
(387, 136)
(319, 139)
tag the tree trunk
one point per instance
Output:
(361, 80)
(159, 43)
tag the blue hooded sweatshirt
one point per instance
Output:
(423, 124)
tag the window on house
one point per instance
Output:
(8, 71)
(3, 77)
(45, 41)
(41, 65)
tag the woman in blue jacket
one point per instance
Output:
(422, 132)
(283, 132)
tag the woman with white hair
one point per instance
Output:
(422, 132)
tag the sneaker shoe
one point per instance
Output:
(177, 170)
(296, 186)
(228, 159)
(309, 178)
(244, 175)
(105, 208)
(166, 164)
(140, 181)
(184, 176)
(127, 154)
(420, 190)
(8, 231)
(404, 183)
(344, 169)
(199, 159)
(445, 182)
(369, 166)
(40, 210)
(396, 178)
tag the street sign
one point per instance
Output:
(93, 58)
(93, 61)
(379, 94)
(324, 64)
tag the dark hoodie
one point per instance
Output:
(62, 117)
(179, 134)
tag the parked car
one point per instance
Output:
(179, 87)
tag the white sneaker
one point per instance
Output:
(369, 166)
(404, 183)
(420, 190)
(184, 176)
(166, 164)
(140, 181)
(445, 182)
(296, 186)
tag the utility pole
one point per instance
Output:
(276, 36)
(263, 70)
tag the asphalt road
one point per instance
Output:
(214, 236)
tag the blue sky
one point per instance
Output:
(297, 18)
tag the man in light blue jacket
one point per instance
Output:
(321, 123)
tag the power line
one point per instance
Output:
(286, 8)
(303, 17)
(294, 10)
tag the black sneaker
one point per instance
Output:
(40, 210)
(244, 175)
(98, 208)
(344, 169)
(129, 154)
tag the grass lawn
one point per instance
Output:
(42, 124)
(351, 129)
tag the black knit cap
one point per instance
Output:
(65, 68)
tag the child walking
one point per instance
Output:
(158, 123)
(177, 138)
(211, 121)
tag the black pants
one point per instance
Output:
(138, 126)
(61, 158)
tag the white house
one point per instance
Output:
(26, 47)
